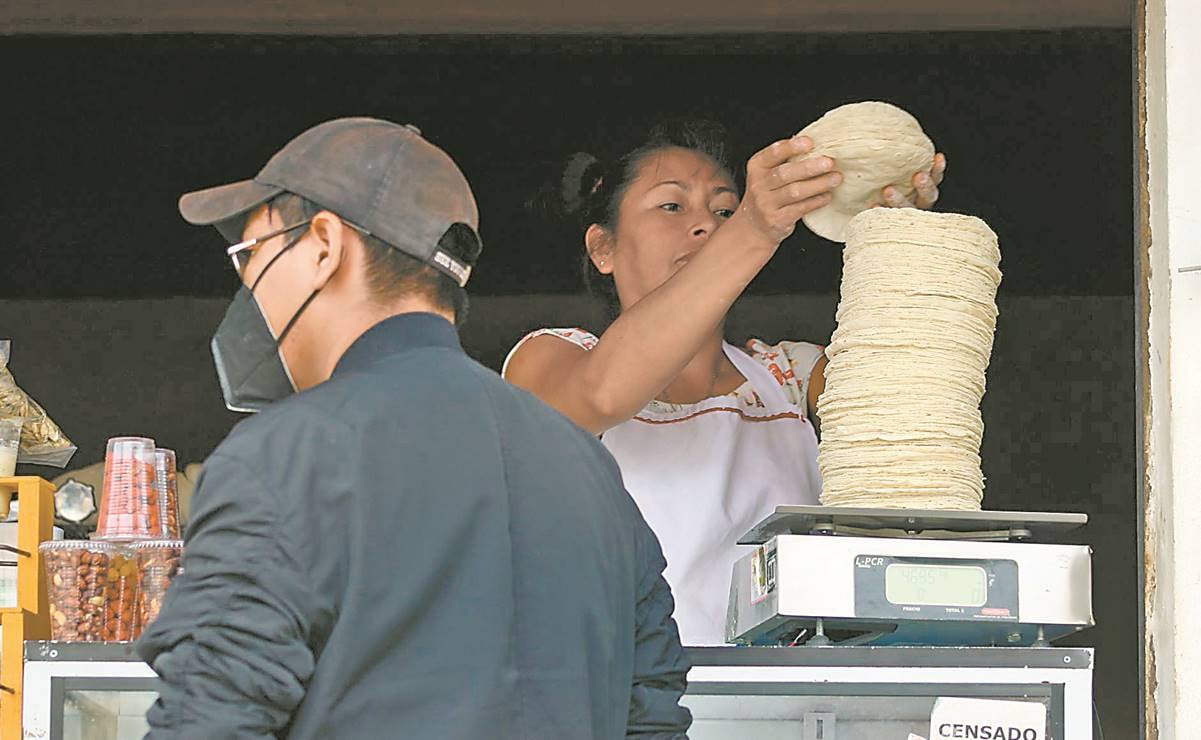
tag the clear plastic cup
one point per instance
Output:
(168, 499)
(92, 588)
(121, 606)
(158, 564)
(129, 509)
(10, 443)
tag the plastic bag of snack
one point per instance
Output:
(42, 442)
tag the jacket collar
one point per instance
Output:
(398, 334)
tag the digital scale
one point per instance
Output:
(822, 575)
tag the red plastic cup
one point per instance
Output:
(130, 507)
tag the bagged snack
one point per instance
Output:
(42, 442)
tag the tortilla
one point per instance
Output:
(874, 145)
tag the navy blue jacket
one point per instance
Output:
(415, 549)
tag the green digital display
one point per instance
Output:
(921, 584)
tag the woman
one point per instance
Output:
(710, 438)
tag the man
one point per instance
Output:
(409, 547)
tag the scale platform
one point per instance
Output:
(832, 575)
(915, 523)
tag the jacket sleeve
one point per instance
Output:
(660, 665)
(231, 644)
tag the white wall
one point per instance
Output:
(1173, 98)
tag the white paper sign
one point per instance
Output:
(987, 719)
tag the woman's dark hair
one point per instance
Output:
(591, 187)
(391, 273)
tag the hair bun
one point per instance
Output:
(580, 178)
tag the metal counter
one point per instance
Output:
(101, 691)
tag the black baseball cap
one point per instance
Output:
(381, 176)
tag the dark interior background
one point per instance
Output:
(103, 134)
(110, 298)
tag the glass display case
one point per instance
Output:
(86, 691)
(101, 691)
(877, 693)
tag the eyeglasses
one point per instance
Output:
(241, 252)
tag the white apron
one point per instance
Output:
(703, 477)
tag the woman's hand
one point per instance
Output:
(779, 191)
(926, 184)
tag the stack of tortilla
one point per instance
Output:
(900, 414)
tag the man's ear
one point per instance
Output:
(599, 243)
(330, 237)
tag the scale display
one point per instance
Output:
(935, 585)
(908, 588)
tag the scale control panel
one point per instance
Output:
(926, 588)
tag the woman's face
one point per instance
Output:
(671, 208)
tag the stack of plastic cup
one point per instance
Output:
(97, 586)
(129, 510)
(168, 500)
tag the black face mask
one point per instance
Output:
(246, 352)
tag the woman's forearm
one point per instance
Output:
(654, 339)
